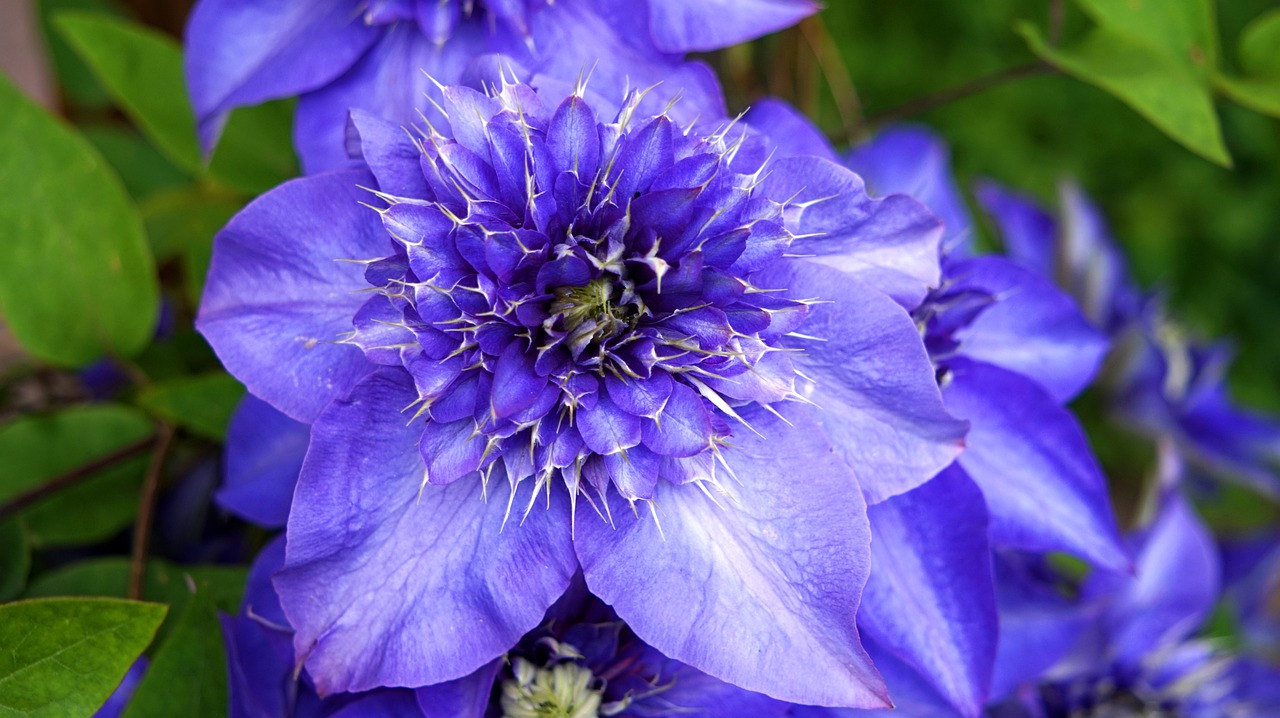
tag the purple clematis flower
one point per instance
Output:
(552, 343)
(1164, 382)
(383, 56)
(580, 662)
(261, 462)
(1010, 349)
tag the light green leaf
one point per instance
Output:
(15, 559)
(142, 69)
(255, 152)
(64, 656)
(1258, 94)
(188, 674)
(38, 449)
(203, 404)
(77, 280)
(1185, 30)
(1169, 95)
(1260, 46)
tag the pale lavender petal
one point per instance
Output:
(759, 590)
(369, 547)
(680, 26)
(788, 129)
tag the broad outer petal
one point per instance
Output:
(873, 382)
(680, 26)
(262, 458)
(1033, 328)
(386, 587)
(277, 298)
(788, 129)
(242, 52)
(1033, 463)
(891, 243)
(931, 596)
(758, 590)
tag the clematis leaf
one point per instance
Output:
(142, 69)
(1171, 94)
(64, 656)
(188, 673)
(77, 281)
(1259, 52)
(1181, 29)
(204, 404)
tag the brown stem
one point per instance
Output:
(834, 70)
(72, 477)
(938, 99)
(1057, 17)
(146, 507)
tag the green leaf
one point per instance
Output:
(1260, 46)
(203, 404)
(220, 586)
(142, 69)
(15, 559)
(1259, 95)
(63, 657)
(1185, 30)
(83, 91)
(255, 152)
(142, 168)
(1168, 94)
(37, 449)
(188, 674)
(77, 280)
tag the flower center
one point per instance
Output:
(565, 690)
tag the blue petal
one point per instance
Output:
(1032, 328)
(931, 596)
(1033, 463)
(369, 547)
(380, 704)
(278, 299)
(873, 383)
(788, 129)
(262, 458)
(679, 26)
(914, 161)
(1029, 233)
(768, 581)
(240, 52)
(688, 691)
(391, 155)
(912, 695)
(1174, 589)
(466, 697)
(890, 243)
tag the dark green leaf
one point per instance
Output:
(1185, 30)
(75, 78)
(188, 674)
(182, 220)
(255, 152)
(77, 280)
(143, 71)
(1259, 95)
(64, 656)
(142, 169)
(15, 559)
(38, 449)
(1168, 94)
(203, 404)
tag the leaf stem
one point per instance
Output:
(72, 477)
(146, 508)
(960, 92)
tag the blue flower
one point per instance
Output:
(1163, 381)
(261, 461)
(383, 56)
(549, 344)
(580, 661)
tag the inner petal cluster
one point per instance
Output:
(576, 298)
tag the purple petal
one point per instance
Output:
(606, 428)
(277, 298)
(916, 162)
(262, 458)
(574, 139)
(240, 52)
(873, 382)
(1029, 233)
(683, 428)
(1033, 463)
(931, 596)
(890, 243)
(1174, 589)
(515, 384)
(767, 583)
(1033, 328)
(466, 697)
(679, 26)
(370, 547)
(788, 129)
(390, 154)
